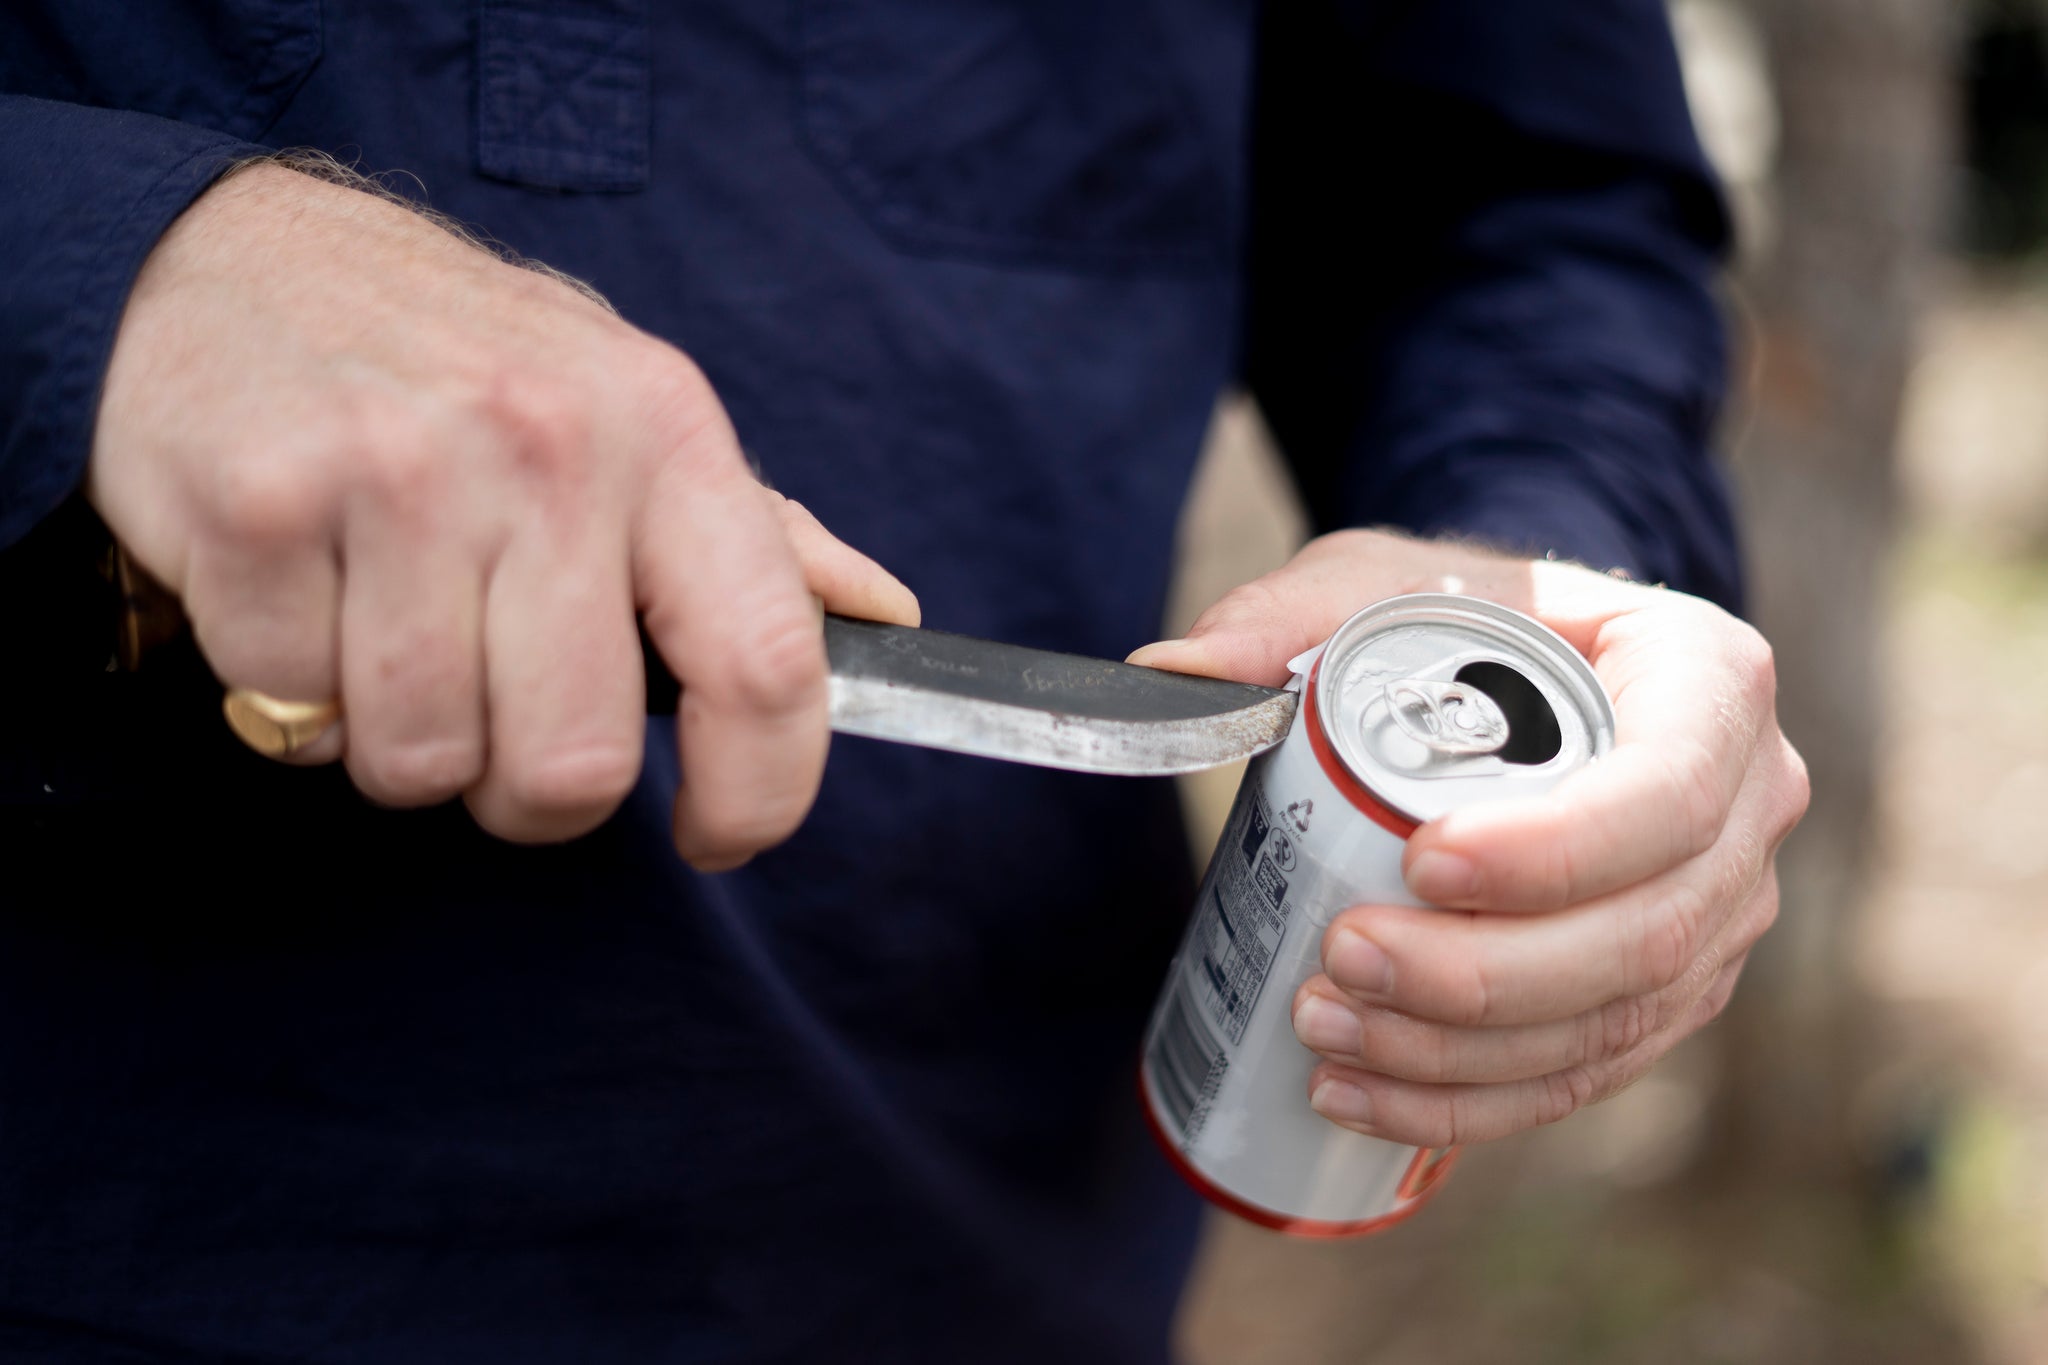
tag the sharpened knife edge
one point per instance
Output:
(1018, 675)
(1050, 739)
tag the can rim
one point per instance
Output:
(1427, 1172)
(1486, 619)
(1339, 772)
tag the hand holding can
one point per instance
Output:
(1653, 868)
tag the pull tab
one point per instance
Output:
(1447, 717)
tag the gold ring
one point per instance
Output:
(274, 728)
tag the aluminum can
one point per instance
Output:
(1417, 706)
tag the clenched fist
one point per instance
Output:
(382, 466)
(1594, 926)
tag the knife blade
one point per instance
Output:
(943, 691)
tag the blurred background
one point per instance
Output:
(1852, 1165)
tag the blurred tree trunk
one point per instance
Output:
(1858, 208)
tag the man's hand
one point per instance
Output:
(1603, 922)
(383, 466)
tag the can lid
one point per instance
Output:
(1436, 701)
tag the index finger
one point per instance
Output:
(724, 600)
(1693, 689)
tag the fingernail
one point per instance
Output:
(1326, 1026)
(1136, 656)
(1358, 964)
(1443, 877)
(1342, 1101)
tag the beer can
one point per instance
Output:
(1417, 706)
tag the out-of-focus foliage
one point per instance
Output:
(1854, 1165)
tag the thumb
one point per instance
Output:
(1252, 631)
(844, 579)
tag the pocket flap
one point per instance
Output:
(562, 99)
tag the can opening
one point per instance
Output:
(1533, 733)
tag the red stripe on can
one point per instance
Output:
(1354, 791)
(1419, 1184)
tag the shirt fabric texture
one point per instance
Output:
(284, 1077)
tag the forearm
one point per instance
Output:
(1517, 338)
(1555, 392)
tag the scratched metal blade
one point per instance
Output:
(943, 691)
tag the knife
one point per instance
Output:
(944, 691)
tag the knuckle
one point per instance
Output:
(1668, 942)
(1563, 1093)
(413, 674)
(1442, 1056)
(1451, 1122)
(676, 395)
(415, 771)
(777, 666)
(673, 371)
(542, 423)
(1432, 1056)
(1762, 910)
(589, 779)
(533, 424)
(1760, 661)
(263, 500)
(1699, 977)
(397, 462)
(1755, 663)
(1476, 996)
(1748, 865)
(1699, 807)
(1622, 1024)
(1798, 787)
(1715, 1003)
(1595, 1029)
(1552, 863)
(541, 420)
(1748, 853)
(1674, 1003)
(793, 512)
(1656, 1013)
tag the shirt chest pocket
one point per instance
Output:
(562, 93)
(1048, 132)
(229, 65)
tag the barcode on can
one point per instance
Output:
(1186, 1062)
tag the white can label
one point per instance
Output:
(1224, 1076)
(1237, 931)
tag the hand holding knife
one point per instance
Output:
(954, 692)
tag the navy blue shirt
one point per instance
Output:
(285, 1077)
